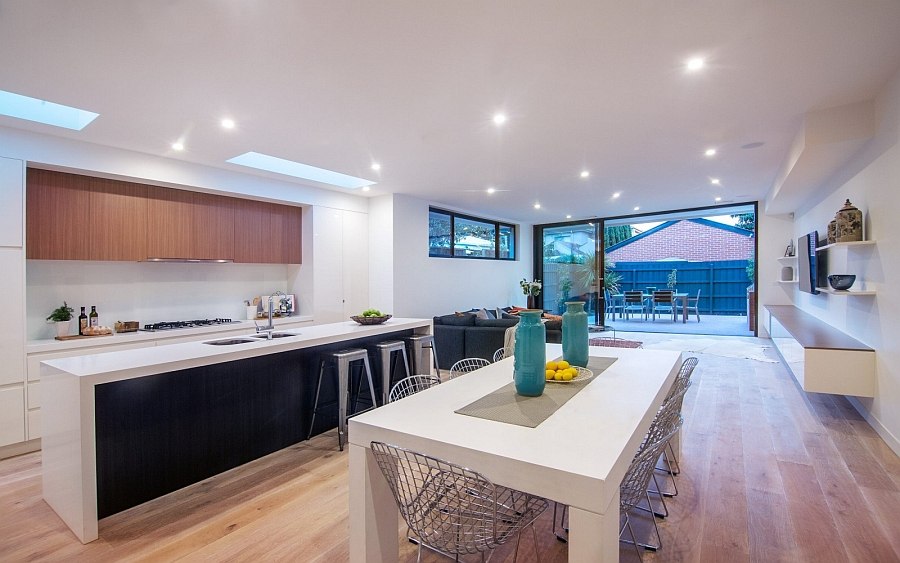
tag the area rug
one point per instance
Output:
(728, 348)
(615, 343)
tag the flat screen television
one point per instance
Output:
(811, 268)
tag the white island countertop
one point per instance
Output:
(127, 364)
(69, 460)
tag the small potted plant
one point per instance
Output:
(61, 316)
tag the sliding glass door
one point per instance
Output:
(570, 266)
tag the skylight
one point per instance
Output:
(42, 111)
(298, 170)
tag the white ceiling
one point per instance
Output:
(591, 84)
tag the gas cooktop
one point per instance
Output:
(172, 325)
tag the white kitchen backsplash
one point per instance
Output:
(146, 292)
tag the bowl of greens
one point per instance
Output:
(371, 317)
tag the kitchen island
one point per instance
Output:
(121, 428)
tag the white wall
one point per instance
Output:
(872, 320)
(65, 154)
(425, 287)
(775, 233)
(381, 253)
(146, 292)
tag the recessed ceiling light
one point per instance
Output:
(718, 199)
(715, 181)
(695, 64)
(298, 170)
(616, 195)
(499, 118)
(491, 190)
(568, 216)
(585, 174)
(637, 208)
(227, 123)
(710, 152)
(42, 111)
(178, 146)
(366, 188)
(376, 167)
(537, 205)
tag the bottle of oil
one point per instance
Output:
(82, 322)
(94, 318)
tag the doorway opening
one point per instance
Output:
(623, 267)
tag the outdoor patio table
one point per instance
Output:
(680, 298)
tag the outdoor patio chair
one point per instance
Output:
(613, 304)
(693, 304)
(662, 302)
(634, 303)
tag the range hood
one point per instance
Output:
(192, 260)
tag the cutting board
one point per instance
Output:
(79, 336)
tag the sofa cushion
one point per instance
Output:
(461, 319)
(497, 322)
(553, 325)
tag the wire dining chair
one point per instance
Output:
(412, 385)
(466, 365)
(451, 509)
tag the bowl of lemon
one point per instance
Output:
(561, 371)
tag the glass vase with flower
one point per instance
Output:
(531, 289)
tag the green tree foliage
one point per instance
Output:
(746, 221)
(615, 235)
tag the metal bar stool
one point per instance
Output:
(386, 354)
(418, 345)
(343, 360)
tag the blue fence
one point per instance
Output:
(722, 284)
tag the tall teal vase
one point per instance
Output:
(530, 354)
(575, 334)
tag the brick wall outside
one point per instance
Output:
(686, 240)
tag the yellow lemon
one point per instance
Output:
(562, 364)
(573, 371)
(549, 374)
(558, 376)
(551, 365)
(567, 376)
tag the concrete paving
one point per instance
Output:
(721, 325)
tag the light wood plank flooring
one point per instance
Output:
(769, 474)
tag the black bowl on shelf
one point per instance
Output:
(841, 281)
(370, 320)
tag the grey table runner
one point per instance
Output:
(504, 405)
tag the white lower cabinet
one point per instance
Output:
(12, 415)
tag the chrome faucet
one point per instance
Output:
(270, 326)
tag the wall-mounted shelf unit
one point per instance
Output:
(788, 269)
(845, 256)
(854, 244)
(847, 292)
(820, 357)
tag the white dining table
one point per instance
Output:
(577, 456)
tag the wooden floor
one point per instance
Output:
(769, 474)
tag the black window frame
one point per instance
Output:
(453, 216)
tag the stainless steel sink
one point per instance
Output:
(276, 335)
(229, 341)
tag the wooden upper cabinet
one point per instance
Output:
(119, 228)
(168, 223)
(73, 217)
(57, 216)
(212, 227)
(266, 233)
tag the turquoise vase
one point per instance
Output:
(530, 354)
(575, 334)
